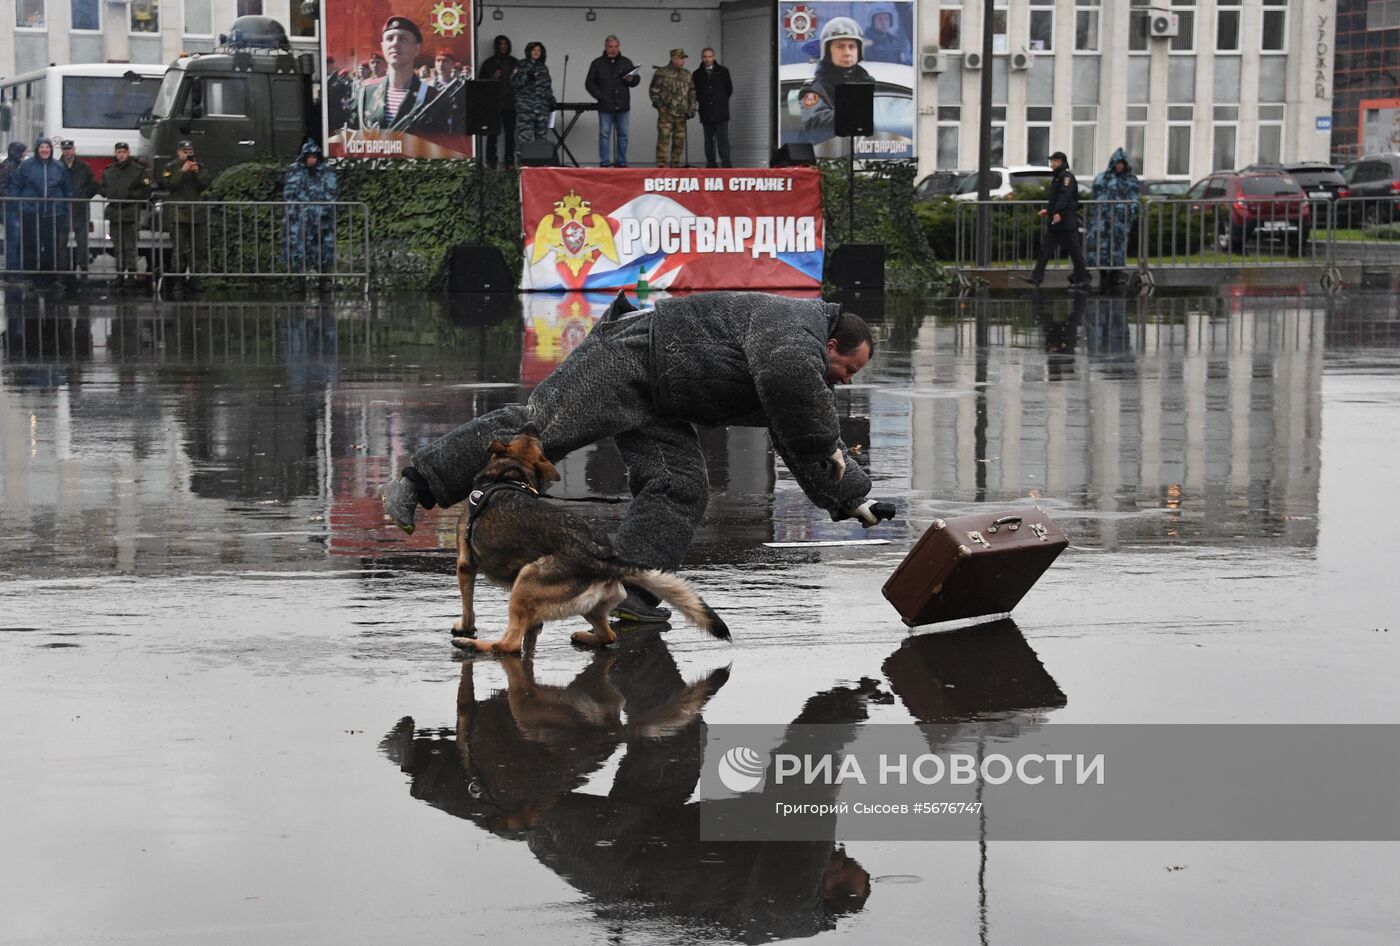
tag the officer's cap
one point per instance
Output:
(122, 146)
(403, 23)
(678, 54)
(184, 145)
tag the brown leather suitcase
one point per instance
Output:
(973, 566)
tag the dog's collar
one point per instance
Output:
(481, 498)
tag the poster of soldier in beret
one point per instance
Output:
(396, 72)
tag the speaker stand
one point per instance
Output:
(850, 188)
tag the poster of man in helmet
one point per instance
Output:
(824, 44)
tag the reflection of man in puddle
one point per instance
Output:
(516, 761)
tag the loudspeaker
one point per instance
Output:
(473, 268)
(857, 266)
(483, 100)
(795, 154)
(538, 154)
(855, 109)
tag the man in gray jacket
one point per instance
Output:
(646, 378)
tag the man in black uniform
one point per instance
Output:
(1062, 209)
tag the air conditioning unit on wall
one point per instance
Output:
(931, 61)
(972, 61)
(1163, 25)
(1022, 60)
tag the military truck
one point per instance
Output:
(251, 99)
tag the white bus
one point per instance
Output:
(94, 104)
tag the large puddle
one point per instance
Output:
(231, 713)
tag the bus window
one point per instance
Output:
(107, 101)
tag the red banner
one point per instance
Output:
(608, 228)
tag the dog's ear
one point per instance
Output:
(545, 470)
(497, 448)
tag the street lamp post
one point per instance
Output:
(984, 142)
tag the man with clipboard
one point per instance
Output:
(611, 78)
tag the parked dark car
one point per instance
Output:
(1319, 180)
(1249, 208)
(1373, 183)
(938, 184)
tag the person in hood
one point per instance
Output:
(883, 42)
(1111, 223)
(534, 96)
(9, 209)
(501, 68)
(646, 379)
(45, 189)
(311, 228)
(843, 47)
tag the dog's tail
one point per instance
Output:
(675, 590)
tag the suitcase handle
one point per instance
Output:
(1013, 521)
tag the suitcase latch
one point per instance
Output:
(1040, 531)
(976, 537)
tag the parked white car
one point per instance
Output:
(1004, 180)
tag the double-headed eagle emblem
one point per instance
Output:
(575, 233)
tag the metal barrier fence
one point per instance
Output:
(178, 243)
(1139, 237)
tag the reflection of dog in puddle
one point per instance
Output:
(517, 762)
(552, 561)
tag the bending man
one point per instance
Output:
(646, 378)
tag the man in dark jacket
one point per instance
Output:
(1062, 213)
(646, 379)
(126, 184)
(186, 180)
(499, 68)
(610, 80)
(713, 87)
(42, 181)
(84, 189)
(9, 209)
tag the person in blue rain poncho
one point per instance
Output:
(311, 229)
(1110, 225)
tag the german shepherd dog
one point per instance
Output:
(552, 561)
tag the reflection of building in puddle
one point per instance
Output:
(1209, 408)
(515, 761)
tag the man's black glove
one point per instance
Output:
(871, 512)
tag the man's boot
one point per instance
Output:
(401, 501)
(640, 607)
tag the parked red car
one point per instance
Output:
(1252, 207)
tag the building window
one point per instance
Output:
(198, 21)
(87, 15)
(999, 31)
(1085, 75)
(949, 122)
(29, 15)
(249, 8)
(1185, 38)
(1270, 134)
(1137, 26)
(145, 16)
(1181, 79)
(1086, 31)
(1042, 36)
(1040, 82)
(1274, 38)
(950, 28)
(1227, 79)
(950, 83)
(998, 135)
(1086, 123)
(1227, 26)
(1179, 122)
(1383, 15)
(1139, 78)
(1223, 141)
(1135, 136)
(303, 24)
(1271, 78)
(1037, 134)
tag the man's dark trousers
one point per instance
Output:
(716, 137)
(1068, 241)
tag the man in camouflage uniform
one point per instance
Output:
(673, 97)
(311, 229)
(126, 179)
(186, 180)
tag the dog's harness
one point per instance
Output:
(481, 498)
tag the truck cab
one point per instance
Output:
(251, 99)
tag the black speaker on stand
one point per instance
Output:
(794, 154)
(480, 267)
(538, 154)
(855, 265)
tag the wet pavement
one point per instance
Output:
(231, 713)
